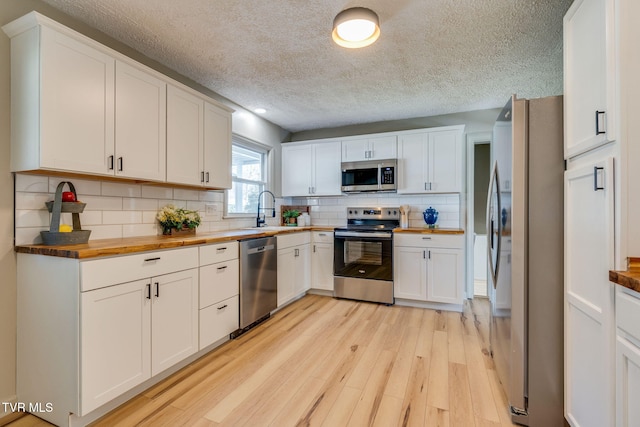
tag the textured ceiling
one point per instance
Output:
(433, 56)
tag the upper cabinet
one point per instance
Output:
(80, 107)
(311, 169)
(430, 161)
(373, 148)
(589, 75)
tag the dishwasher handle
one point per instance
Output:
(260, 249)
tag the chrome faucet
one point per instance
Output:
(262, 221)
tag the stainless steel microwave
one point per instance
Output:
(369, 175)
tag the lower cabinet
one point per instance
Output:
(132, 331)
(429, 268)
(294, 266)
(322, 260)
(627, 357)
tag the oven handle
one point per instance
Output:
(360, 234)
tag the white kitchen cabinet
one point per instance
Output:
(627, 357)
(219, 291)
(589, 298)
(429, 268)
(140, 126)
(589, 75)
(430, 162)
(294, 266)
(311, 169)
(370, 148)
(198, 141)
(322, 260)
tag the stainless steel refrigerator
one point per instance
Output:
(525, 258)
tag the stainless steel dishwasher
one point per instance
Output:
(258, 281)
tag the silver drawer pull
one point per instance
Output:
(152, 259)
(224, 306)
(222, 268)
(426, 238)
(221, 249)
(322, 234)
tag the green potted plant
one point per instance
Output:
(175, 220)
(290, 216)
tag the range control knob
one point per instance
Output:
(395, 212)
(350, 212)
(388, 212)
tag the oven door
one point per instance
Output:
(363, 255)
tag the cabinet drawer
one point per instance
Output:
(212, 254)
(455, 241)
(99, 273)
(323, 236)
(218, 282)
(628, 312)
(293, 239)
(218, 321)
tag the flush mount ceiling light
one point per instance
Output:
(260, 110)
(356, 27)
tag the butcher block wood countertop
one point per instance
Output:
(128, 245)
(630, 278)
(423, 230)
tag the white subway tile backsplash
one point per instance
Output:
(154, 192)
(138, 204)
(133, 230)
(103, 203)
(32, 218)
(32, 183)
(122, 217)
(82, 186)
(122, 190)
(180, 193)
(212, 196)
(89, 218)
(149, 217)
(29, 235)
(105, 232)
(31, 200)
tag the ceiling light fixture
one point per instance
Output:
(356, 27)
(260, 110)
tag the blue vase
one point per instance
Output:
(430, 217)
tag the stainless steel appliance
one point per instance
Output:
(363, 255)
(369, 175)
(526, 257)
(258, 281)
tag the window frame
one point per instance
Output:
(266, 182)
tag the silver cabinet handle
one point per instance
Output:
(426, 238)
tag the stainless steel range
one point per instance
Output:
(363, 255)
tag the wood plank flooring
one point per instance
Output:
(327, 362)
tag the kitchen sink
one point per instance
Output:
(271, 228)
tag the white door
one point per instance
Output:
(410, 273)
(185, 135)
(322, 266)
(445, 162)
(445, 273)
(286, 275)
(355, 149)
(587, 66)
(383, 147)
(141, 124)
(174, 318)
(296, 170)
(77, 105)
(327, 174)
(413, 157)
(628, 387)
(217, 147)
(302, 274)
(115, 342)
(589, 342)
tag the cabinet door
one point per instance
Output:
(286, 275)
(217, 146)
(628, 384)
(445, 275)
(219, 282)
(589, 341)
(302, 273)
(413, 157)
(296, 170)
(326, 169)
(184, 137)
(77, 105)
(445, 162)
(218, 321)
(383, 147)
(115, 342)
(141, 123)
(589, 70)
(322, 266)
(174, 318)
(354, 150)
(410, 273)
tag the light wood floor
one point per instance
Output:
(323, 361)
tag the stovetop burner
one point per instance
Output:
(372, 219)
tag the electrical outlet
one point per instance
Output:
(210, 209)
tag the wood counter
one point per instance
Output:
(424, 230)
(630, 278)
(128, 245)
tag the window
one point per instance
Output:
(248, 169)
